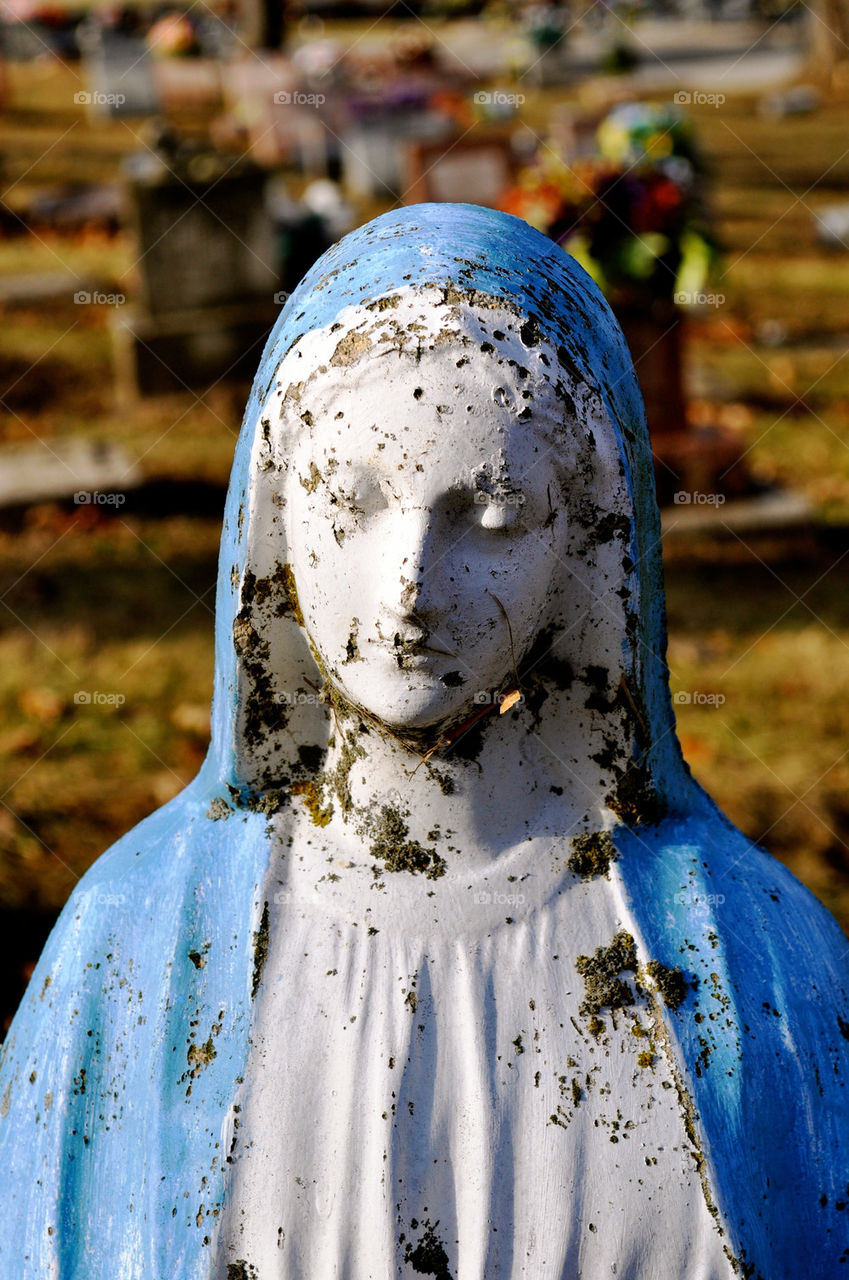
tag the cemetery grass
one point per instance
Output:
(109, 604)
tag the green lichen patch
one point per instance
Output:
(384, 304)
(671, 983)
(604, 989)
(311, 791)
(445, 783)
(264, 713)
(290, 604)
(634, 799)
(241, 1270)
(391, 847)
(314, 480)
(350, 348)
(200, 1056)
(352, 648)
(267, 802)
(260, 949)
(592, 854)
(338, 779)
(218, 809)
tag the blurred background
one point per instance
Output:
(167, 174)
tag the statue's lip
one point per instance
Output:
(412, 644)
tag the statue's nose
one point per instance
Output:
(409, 566)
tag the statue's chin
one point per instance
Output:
(425, 711)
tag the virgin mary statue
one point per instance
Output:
(443, 965)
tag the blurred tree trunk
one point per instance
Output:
(830, 32)
(261, 23)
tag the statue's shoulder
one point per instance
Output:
(699, 872)
(762, 1036)
(139, 1008)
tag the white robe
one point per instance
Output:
(429, 1099)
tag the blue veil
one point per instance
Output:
(120, 1073)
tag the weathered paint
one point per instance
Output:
(136, 1089)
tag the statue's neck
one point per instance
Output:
(503, 781)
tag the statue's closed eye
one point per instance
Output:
(362, 499)
(358, 499)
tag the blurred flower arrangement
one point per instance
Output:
(633, 213)
(173, 36)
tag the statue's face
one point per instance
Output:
(423, 515)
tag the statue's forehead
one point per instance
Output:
(458, 329)
(449, 350)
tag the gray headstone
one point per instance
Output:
(119, 74)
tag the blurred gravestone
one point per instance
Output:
(375, 142)
(209, 265)
(95, 473)
(119, 74)
(281, 124)
(473, 171)
(216, 257)
(187, 83)
(23, 41)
